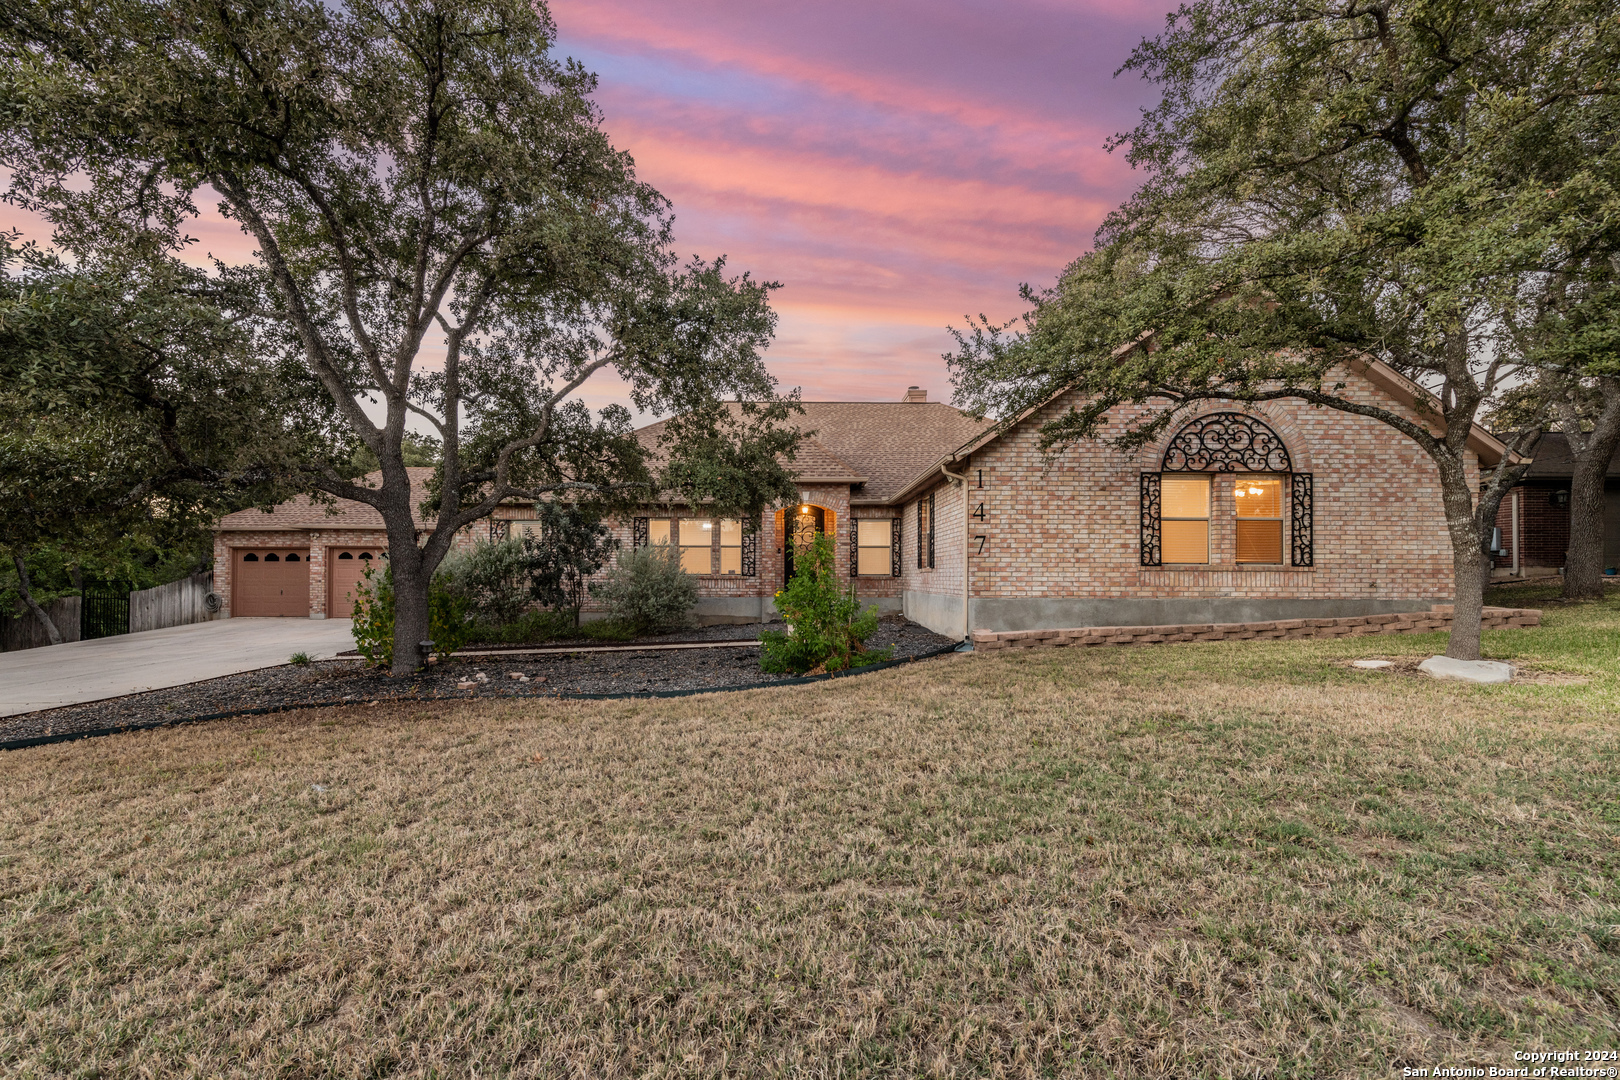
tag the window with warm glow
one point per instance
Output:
(1259, 518)
(658, 533)
(873, 548)
(731, 547)
(697, 545)
(1184, 518)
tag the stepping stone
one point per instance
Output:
(1372, 665)
(1474, 671)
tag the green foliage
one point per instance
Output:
(606, 630)
(827, 625)
(492, 577)
(448, 623)
(572, 545)
(321, 128)
(648, 590)
(301, 659)
(415, 450)
(1411, 183)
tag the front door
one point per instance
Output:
(802, 526)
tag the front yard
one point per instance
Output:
(1184, 860)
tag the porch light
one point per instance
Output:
(804, 509)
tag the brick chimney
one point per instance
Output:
(914, 394)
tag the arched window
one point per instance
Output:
(344, 555)
(293, 557)
(272, 557)
(250, 557)
(1181, 499)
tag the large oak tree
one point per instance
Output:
(416, 177)
(1325, 184)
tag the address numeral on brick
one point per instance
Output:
(981, 539)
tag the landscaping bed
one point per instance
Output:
(550, 673)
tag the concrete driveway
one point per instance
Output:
(80, 671)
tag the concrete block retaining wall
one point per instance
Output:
(1411, 622)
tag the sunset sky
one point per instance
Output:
(895, 164)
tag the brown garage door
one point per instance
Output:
(271, 581)
(344, 566)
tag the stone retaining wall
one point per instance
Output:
(1411, 622)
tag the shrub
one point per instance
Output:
(448, 621)
(492, 577)
(827, 627)
(648, 590)
(572, 545)
(299, 658)
(607, 630)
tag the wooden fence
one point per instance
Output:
(178, 603)
(24, 632)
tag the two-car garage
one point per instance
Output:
(269, 582)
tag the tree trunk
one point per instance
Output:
(1467, 558)
(410, 596)
(27, 593)
(1583, 566)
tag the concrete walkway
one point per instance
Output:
(80, 671)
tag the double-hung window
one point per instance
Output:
(731, 547)
(697, 545)
(1184, 500)
(1259, 502)
(874, 547)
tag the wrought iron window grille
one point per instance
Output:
(931, 530)
(640, 531)
(894, 548)
(1152, 552)
(1301, 527)
(750, 547)
(1227, 442)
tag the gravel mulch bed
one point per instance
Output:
(693, 635)
(350, 681)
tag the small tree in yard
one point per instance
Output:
(648, 590)
(1325, 185)
(573, 544)
(414, 176)
(827, 626)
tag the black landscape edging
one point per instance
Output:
(94, 733)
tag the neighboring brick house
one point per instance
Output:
(1239, 514)
(1533, 520)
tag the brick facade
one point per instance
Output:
(1049, 541)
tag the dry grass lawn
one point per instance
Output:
(1189, 860)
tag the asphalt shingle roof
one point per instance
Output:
(888, 443)
(302, 512)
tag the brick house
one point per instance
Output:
(1239, 514)
(1532, 523)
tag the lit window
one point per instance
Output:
(730, 547)
(658, 533)
(873, 552)
(1184, 513)
(697, 545)
(1259, 519)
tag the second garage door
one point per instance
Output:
(344, 567)
(270, 582)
